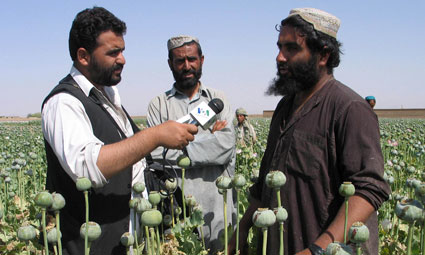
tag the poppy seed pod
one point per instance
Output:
(52, 235)
(26, 233)
(168, 220)
(275, 179)
(238, 181)
(420, 192)
(83, 184)
(151, 218)
(254, 175)
(358, 232)
(347, 189)
(139, 187)
(58, 202)
(223, 182)
(190, 201)
(281, 214)
(178, 210)
(411, 169)
(94, 231)
(337, 248)
(163, 194)
(416, 183)
(171, 184)
(127, 239)
(143, 205)
(154, 197)
(43, 199)
(133, 202)
(263, 218)
(409, 210)
(183, 161)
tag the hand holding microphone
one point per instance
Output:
(174, 135)
(204, 115)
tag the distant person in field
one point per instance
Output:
(89, 134)
(245, 133)
(322, 134)
(371, 100)
(212, 153)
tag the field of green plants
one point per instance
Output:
(23, 204)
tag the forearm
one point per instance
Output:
(359, 209)
(116, 157)
(113, 158)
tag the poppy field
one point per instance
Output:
(23, 201)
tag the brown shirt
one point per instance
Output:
(332, 139)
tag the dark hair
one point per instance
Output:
(88, 25)
(316, 41)
(170, 54)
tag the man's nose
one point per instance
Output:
(121, 59)
(186, 65)
(280, 57)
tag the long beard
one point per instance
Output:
(303, 76)
(184, 83)
(103, 75)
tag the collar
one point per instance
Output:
(86, 86)
(174, 91)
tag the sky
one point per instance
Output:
(382, 43)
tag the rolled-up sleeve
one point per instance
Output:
(360, 152)
(67, 128)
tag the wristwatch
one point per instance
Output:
(316, 249)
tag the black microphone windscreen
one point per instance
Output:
(216, 105)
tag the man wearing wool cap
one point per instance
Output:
(245, 133)
(322, 134)
(212, 153)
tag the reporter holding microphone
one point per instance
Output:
(89, 134)
(212, 152)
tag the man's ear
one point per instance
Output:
(324, 56)
(83, 57)
(170, 64)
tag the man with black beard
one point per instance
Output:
(212, 153)
(321, 135)
(89, 134)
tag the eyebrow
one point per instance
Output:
(291, 44)
(186, 57)
(115, 50)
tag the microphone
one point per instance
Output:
(203, 114)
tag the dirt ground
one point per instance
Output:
(17, 119)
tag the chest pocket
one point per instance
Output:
(306, 154)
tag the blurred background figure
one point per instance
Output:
(371, 100)
(245, 133)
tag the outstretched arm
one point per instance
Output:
(115, 157)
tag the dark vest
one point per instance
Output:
(108, 206)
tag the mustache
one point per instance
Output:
(190, 71)
(118, 67)
(282, 65)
